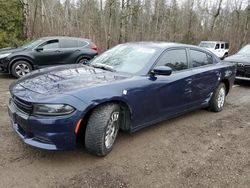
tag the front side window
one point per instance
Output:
(217, 46)
(175, 59)
(199, 58)
(82, 43)
(51, 44)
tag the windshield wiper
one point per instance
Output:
(103, 66)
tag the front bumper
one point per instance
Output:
(4, 65)
(51, 133)
(243, 71)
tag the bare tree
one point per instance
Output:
(215, 16)
(25, 10)
(115, 21)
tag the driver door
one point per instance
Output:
(170, 95)
(48, 53)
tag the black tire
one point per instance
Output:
(98, 126)
(83, 61)
(20, 68)
(225, 55)
(217, 102)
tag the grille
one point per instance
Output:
(1, 63)
(247, 70)
(22, 105)
(243, 70)
(240, 67)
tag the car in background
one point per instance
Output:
(44, 52)
(128, 87)
(242, 60)
(219, 48)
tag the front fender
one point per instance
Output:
(19, 58)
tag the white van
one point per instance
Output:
(217, 47)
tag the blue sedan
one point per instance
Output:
(128, 87)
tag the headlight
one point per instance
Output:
(4, 55)
(52, 109)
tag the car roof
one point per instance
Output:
(63, 37)
(215, 41)
(164, 45)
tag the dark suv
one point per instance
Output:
(44, 52)
(242, 60)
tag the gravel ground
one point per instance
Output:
(199, 149)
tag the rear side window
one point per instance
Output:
(199, 58)
(227, 46)
(222, 45)
(175, 59)
(69, 43)
(82, 43)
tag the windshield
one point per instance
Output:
(207, 44)
(128, 58)
(32, 43)
(245, 50)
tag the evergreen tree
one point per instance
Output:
(10, 23)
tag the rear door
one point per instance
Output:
(69, 50)
(205, 76)
(222, 50)
(217, 50)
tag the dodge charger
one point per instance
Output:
(126, 88)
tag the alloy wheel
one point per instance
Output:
(221, 97)
(22, 69)
(111, 130)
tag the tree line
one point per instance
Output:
(109, 22)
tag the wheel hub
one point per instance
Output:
(221, 97)
(111, 130)
(22, 69)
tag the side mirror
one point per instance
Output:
(39, 49)
(162, 70)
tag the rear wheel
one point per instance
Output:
(83, 61)
(20, 68)
(225, 55)
(102, 129)
(218, 99)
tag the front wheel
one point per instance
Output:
(102, 129)
(218, 99)
(20, 68)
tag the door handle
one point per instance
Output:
(58, 51)
(188, 91)
(189, 81)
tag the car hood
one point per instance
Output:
(10, 50)
(65, 79)
(239, 58)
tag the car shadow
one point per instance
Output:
(6, 76)
(242, 83)
(125, 142)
